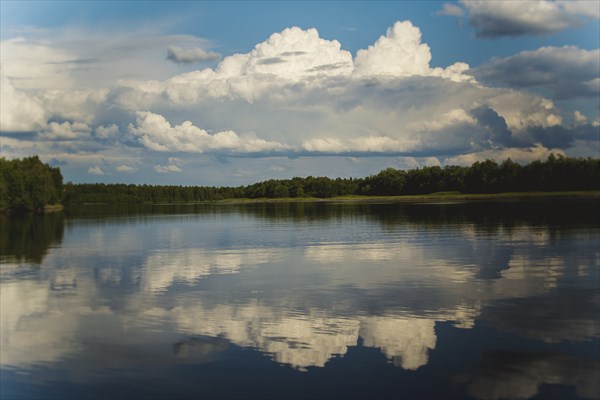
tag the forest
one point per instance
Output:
(557, 173)
(29, 184)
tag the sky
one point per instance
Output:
(230, 93)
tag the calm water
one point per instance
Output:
(471, 300)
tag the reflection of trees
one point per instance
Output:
(490, 216)
(29, 237)
(289, 211)
(514, 375)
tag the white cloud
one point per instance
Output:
(364, 144)
(105, 132)
(37, 64)
(189, 56)
(401, 53)
(19, 112)
(126, 168)
(74, 105)
(165, 169)
(593, 85)
(521, 110)
(95, 170)
(579, 118)
(581, 7)
(521, 155)
(515, 18)
(156, 133)
(76, 57)
(398, 53)
(291, 54)
(443, 121)
(66, 130)
(172, 166)
(295, 94)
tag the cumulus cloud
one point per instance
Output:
(170, 167)
(156, 133)
(291, 54)
(105, 132)
(95, 170)
(401, 53)
(19, 112)
(515, 18)
(189, 56)
(165, 169)
(562, 72)
(579, 118)
(298, 95)
(126, 168)
(66, 130)
(520, 155)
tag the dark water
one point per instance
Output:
(471, 300)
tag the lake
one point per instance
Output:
(481, 300)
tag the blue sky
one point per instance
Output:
(228, 93)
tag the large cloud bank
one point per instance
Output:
(297, 94)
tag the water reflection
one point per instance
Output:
(164, 268)
(28, 237)
(521, 375)
(568, 315)
(134, 291)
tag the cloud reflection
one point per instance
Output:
(164, 268)
(303, 305)
(512, 375)
(310, 339)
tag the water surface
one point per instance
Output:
(303, 300)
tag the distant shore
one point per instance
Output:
(422, 198)
(449, 197)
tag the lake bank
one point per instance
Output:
(420, 198)
(433, 197)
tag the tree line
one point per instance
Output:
(28, 184)
(556, 173)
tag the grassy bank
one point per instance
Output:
(433, 197)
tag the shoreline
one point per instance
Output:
(420, 198)
(47, 208)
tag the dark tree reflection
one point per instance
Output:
(28, 237)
